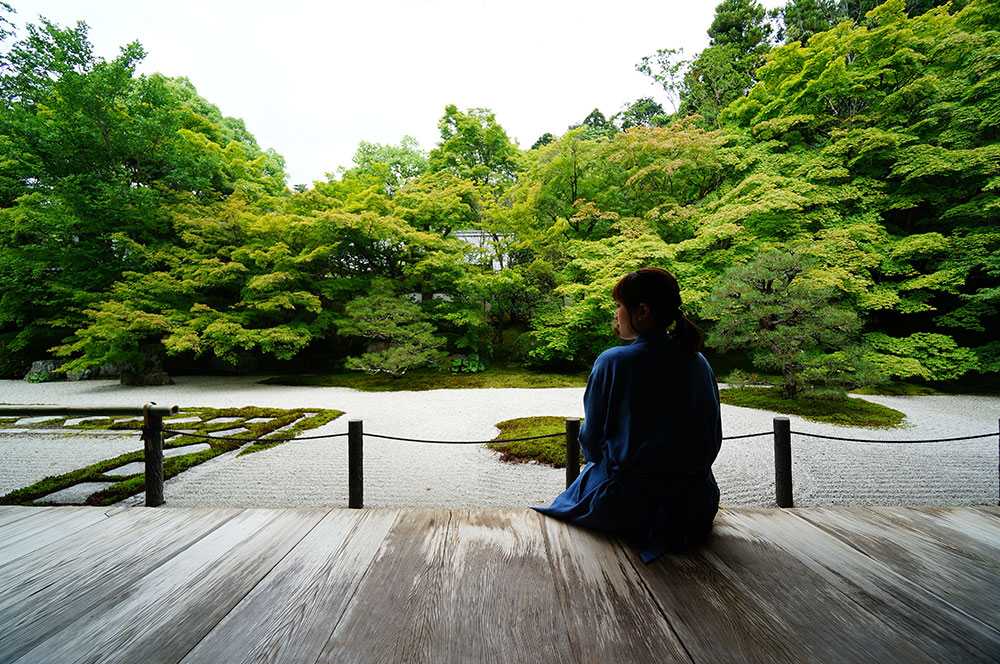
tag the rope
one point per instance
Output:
(464, 442)
(870, 440)
(749, 435)
(367, 435)
(502, 441)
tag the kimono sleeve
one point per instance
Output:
(595, 410)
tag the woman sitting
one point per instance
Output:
(652, 426)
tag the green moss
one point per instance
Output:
(550, 451)
(430, 379)
(899, 390)
(321, 417)
(842, 411)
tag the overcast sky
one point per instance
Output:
(312, 79)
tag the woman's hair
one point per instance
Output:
(658, 290)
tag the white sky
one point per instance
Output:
(312, 79)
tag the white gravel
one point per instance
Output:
(314, 472)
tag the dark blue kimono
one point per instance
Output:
(651, 431)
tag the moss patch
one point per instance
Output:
(431, 379)
(899, 390)
(550, 451)
(842, 411)
(298, 420)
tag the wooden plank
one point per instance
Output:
(499, 591)
(88, 555)
(47, 590)
(12, 513)
(290, 615)
(460, 586)
(168, 610)
(939, 630)
(963, 582)
(741, 598)
(968, 531)
(395, 615)
(39, 526)
(610, 614)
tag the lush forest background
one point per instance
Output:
(825, 187)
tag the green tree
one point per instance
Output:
(785, 319)
(91, 160)
(395, 165)
(738, 40)
(475, 147)
(643, 112)
(403, 338)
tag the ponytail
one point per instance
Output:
(687, 336)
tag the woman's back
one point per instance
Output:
(655, 408)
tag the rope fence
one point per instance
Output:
(153, 433)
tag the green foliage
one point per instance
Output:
(787, 319)
(432, 379)
(468, 364)
(920, 355)
(394, 165)
(13, 364)
(136, 220)
(474, 147)
(404, 338)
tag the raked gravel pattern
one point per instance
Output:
(314, 472)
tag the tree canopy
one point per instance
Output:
(856, 151)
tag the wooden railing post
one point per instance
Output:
(572, 449)
(152, 430)
(355, 474)
(783, 462)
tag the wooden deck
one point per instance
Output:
(418, 585)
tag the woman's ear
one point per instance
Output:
(642, 314)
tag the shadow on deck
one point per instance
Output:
(421, 585)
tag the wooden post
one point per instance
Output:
(783, 462)
(572, 449)
(355, 473)
(153, 454)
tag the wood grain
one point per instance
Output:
(47, 590)
(609, 612)
(499, 593)
(290, 615)
(417, 585)
(961, 581)
(397, 612)
(970, 532)
(740, 598)
(30, 528)
(943, 633)
(168, 610)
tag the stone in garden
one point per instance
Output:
(134, 468)
(43, 371)
(36, 420)
(187, 449)
(74, 495)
